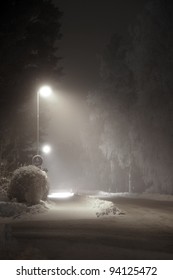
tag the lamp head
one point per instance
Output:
(45, 91)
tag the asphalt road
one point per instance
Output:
(145, 231)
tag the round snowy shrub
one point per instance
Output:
(4, 183)
(28, 184)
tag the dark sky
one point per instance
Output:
(87, 26)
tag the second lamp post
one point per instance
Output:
(44, 91)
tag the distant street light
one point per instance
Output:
(44, 91)
(46, 149)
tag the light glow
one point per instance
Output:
(45, 91)
(61, 195)
(46, 149)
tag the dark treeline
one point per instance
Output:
(29, 33)
(128, 140)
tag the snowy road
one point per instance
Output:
(72, 231)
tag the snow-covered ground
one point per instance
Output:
(98, 225)
(151, 196)
(76, 207)
(92, 205)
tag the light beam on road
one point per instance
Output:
(61, 195)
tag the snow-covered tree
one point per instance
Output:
(151, 61)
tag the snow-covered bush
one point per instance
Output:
(4, 183)
(28, 184)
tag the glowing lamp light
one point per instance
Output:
(45, 91)
(61, 195)
(46, 149)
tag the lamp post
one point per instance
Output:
(44, 91)
(38, 119)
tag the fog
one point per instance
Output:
(67, 117)
(118, 136)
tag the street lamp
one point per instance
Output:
(46, 149)
(44, 91)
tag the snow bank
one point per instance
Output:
(152, 196)
(15, 209)
(94, 205)
(78, 206)
(104, 208)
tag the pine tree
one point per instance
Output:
(29, 35)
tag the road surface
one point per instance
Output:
(144, 231)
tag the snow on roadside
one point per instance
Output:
(15, 209)
(95, 206)
(104, 208)
(152, 196)
(94, 203)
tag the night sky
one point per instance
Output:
(87, 27)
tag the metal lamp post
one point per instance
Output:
(38, 120)
(45, 92)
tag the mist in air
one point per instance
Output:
(118, 136)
